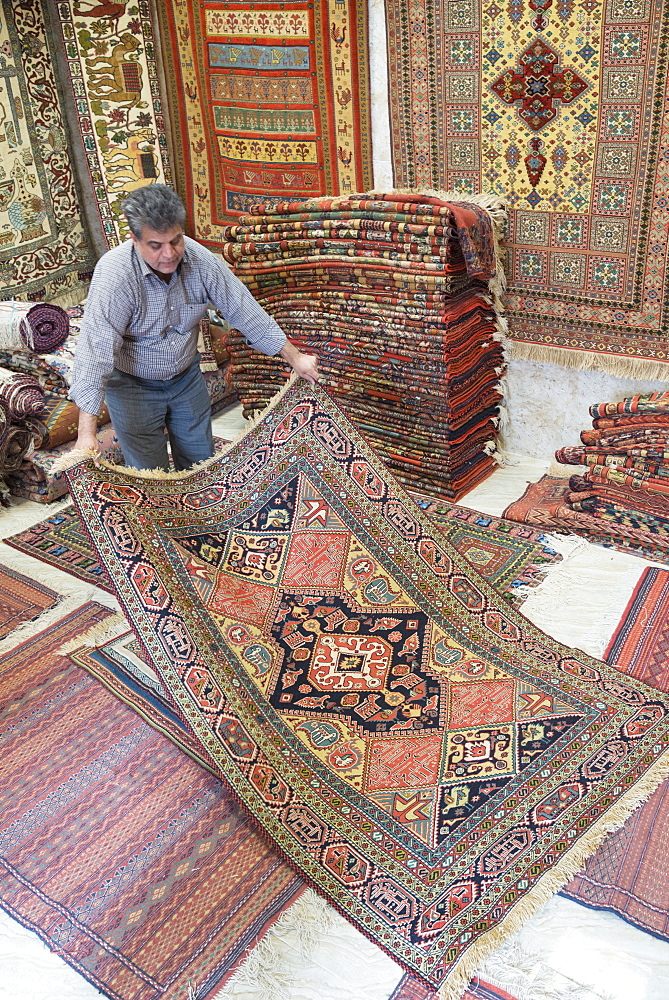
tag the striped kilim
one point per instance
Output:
(425, 756)
(398, 295)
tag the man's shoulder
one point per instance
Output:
(198, 254)
(118, 257)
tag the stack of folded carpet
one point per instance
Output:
(622, 497)
(398, 294)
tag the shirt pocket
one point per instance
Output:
(190, 315)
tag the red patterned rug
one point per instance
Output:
(427, 758)
(629, 874)
(544, 505)
(21, 600)
(510, 556)
(270, 103)
(559, 108)
(126, 857)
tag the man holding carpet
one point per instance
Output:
(137, 350)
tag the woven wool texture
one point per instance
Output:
(560, 109)
(430, 760)
(398, 294)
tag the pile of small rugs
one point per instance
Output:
(399, 295)
(622, 497)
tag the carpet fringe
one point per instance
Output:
(613, 364)
(68, 586)
(553, 880)
(22, 514)
(49, 617)
(262, 973)
(560, 471)
(523, 974)
(97, 634)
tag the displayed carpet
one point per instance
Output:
(508, 555)
(629, 874)
(428, 759)
(44, 249)
(114, 105)
(21, 600)
(269, 103)
(544, 505)
(639, 644)
(127, 858)
(399, 296)
(559, 109)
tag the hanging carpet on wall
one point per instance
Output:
(44, 247)
(429, 760)
(559, 107)
(399, 295)
(267, 103)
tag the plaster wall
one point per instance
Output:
(547, 405)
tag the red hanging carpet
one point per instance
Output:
(128, 858)
(434, 764)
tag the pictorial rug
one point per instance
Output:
(629, 875)
(44, 248)
(126, 857)
(560, 108)
(430, 761)
(21, 600)
(115, 105)
(270, 103)
(510, 556)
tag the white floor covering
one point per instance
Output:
(312, 953)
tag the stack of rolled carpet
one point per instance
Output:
(399, 295)
(622, 497)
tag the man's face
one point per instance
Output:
(161, 251)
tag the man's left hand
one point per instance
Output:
(305, 365)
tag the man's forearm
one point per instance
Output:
(87, 430)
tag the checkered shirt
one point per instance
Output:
(140, 324)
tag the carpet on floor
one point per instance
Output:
(549, 111)
(544, 505)
(510, 556)
(434, 764)
(128, 859)
(629, 874)
(270, 104)
(21, 600)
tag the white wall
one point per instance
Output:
(547, 404)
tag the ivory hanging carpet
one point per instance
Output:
(559, 107)
(269, 103)
(429, 760)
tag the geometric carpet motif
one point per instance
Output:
(629, 874)
(427, 758)
(558, 107)
(21, 600)
(270, 103)
(510, 556)
(128, 859)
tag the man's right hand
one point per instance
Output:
(86, 438)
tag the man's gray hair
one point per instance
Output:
(155, 206)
